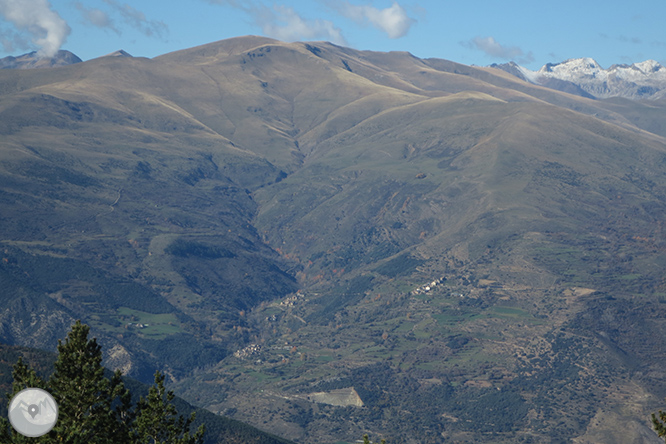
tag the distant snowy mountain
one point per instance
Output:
(585, 77)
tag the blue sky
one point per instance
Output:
(478, 32)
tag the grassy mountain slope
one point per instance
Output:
(261, 220)
(137, 192)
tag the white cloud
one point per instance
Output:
(96, 17)
(494, 49)
(392, 20)
(46, 28)
(139, 21)
(284, 23)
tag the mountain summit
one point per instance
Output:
(119, 53)
(33, 60)
(644, 80)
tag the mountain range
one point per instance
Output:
(581, 76)
(325, 242)
(584, 76)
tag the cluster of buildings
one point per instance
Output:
(250, 350)
(425, 288)
(136, 325)
(291, 300)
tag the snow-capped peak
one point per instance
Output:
(571, 69)
(641, 80)
(649, 66)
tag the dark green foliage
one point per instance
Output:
(491, 410)
(220, 429)
(40, 361)
(341, 297)
(366, 440)
(456, 342)
(181, 352)
(93, 408)
(50, 274)
(24, 377)
(84, 394)
(659, 423)
(184, 248)
(132, 295)
(399, 266)
(91, 398)
(157, 420)
(384, 388)
(227, 280)
(359, 284)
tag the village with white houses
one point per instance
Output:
(427, 288)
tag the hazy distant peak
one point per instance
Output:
(511, 68)
(34, 60)
(119, 53)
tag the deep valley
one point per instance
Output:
(324, 242)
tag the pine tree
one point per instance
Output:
(93, 409)
(24, 377)
(157, 420)
(84, 394)
(366, 440)
(659, 423)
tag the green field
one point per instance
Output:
(153, 326)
